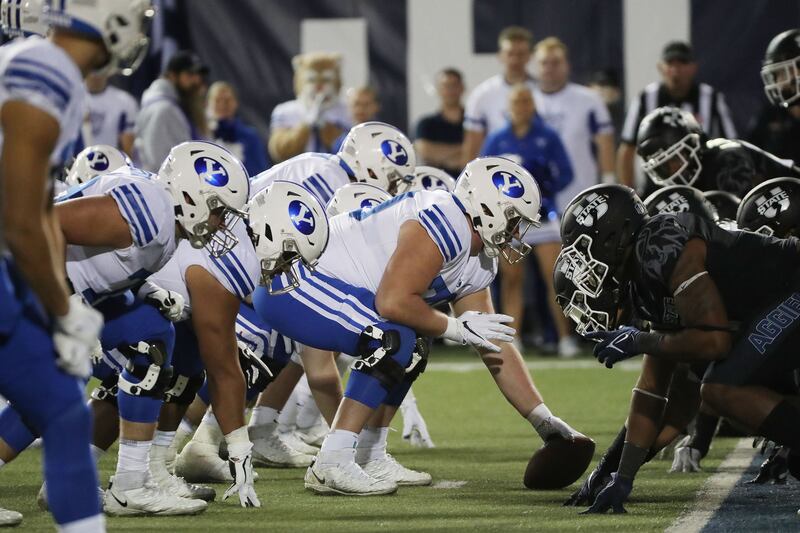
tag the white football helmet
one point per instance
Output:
(378, 154)
(93, 161)
(427, 179)
(22, 17)
(121, 25)
(355, 196)
(288, 224)
(206, 180)
(503, 200)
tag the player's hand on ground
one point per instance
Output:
(615, 346)
(242, 472)
(75, 337)
(169, 303)
(587, 493)
(479, 329)
(612, 497)
(686, 459)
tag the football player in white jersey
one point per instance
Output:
(41, 108)
(371, 295)
(120, 227)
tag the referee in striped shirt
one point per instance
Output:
(677, 88)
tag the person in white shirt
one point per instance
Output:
(487, 104)
(579, 116)
(111, 115)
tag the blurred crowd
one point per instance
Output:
(569, 136)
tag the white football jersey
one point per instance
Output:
(577, 113)
(320, 174)
(36, 71)
(361, 243)
(112, 112)
(147, 206)
(487, 105)
(238, 270)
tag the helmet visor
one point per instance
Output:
(677, 165)
(782, 82)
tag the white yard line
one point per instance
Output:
(714, 491)
(473, 366)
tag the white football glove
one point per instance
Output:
(478, 329)
(75, 337)
(169, 303)
(548, 425)
(415, 430)
(240, 462)
(686, 459)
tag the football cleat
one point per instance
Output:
(388, 469)
(177, 486)
(294, 441)
(314, 435)
(338, 473)
(271, 451)
(200, 462)
(9, 518)
(148, 499)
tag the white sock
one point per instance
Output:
(163, 438)
(186, 426)
(92, 524)
(371, 444)
(287, 419)
(208, 432)
(97, 452)
(133, 458)
(339, 440)
(309, 415)
(263, 415)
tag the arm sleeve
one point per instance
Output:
(38, 84)
(658, 247)
(447, 233)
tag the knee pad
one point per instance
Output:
(146, 363)
(107, 390)
(419, 359)
(375, 350)
(183, 389)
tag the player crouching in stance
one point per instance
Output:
(675, 269)
(371, 295)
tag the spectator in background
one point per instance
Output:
(172, 110)
(317, 116)
(530, 142)
(777, 130)
(229, 131)
(112, 114)
(578, 115)
(440, 135)
(363, 105)
(487, 104)
(677, 88)
(606, 84)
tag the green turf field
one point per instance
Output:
(480, 441)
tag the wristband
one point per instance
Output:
(451, 331)
(238, 442)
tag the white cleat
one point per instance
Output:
(295, 442)
(148, 499)
(344, 477)
(200, 463)
(271, 451)
(177, 486)
(9, 518)
(388, 469)
(314, 435)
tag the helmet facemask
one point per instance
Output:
(677, 165)
(284, 266)
(509, 242)
(218, 239)
(586, 319)
(588, 274)
(126, 60)
(782, 82)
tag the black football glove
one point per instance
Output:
(613, 496)
(257, 374)
(590, 488)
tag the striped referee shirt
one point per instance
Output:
(703, 101)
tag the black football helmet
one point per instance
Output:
(726, 204)
(670, 142)
(590, 311)
(680, 199)
(772, 208)
(780, 70)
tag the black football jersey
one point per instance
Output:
(749, 269)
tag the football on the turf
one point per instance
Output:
(559, 463)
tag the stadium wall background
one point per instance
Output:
(398, 45)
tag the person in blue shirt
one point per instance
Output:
(527, 140)
(229, 131)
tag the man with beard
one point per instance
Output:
(172, 110)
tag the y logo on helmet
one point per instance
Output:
(211, 171)
(595, 208)
(98, 161)
(394, 152)
(774, 204)
(508, 184)
(369, 203)
(429, 183)
(302, 217)
(676, 203)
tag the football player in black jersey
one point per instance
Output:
(679, 273)
(675, 151)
